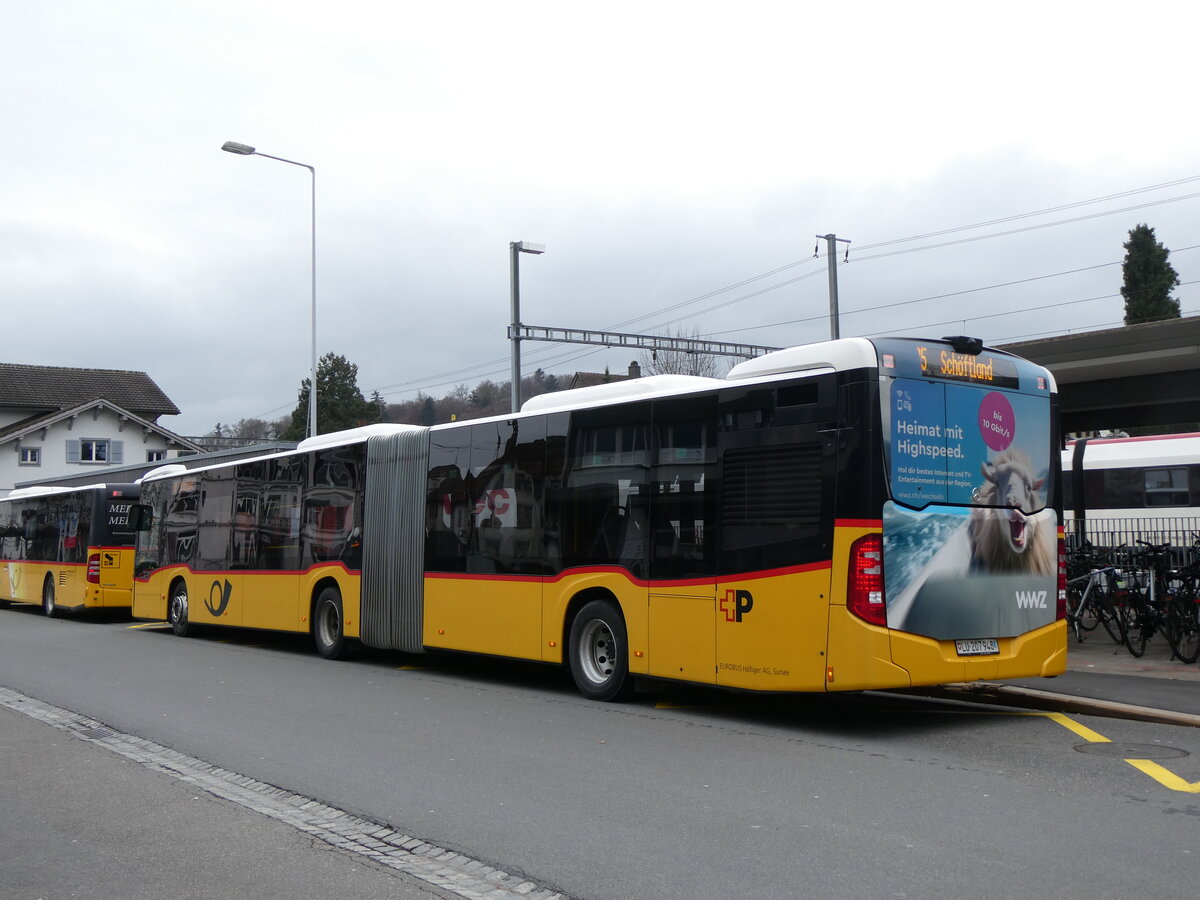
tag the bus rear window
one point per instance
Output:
(114, 526)
(964, 444)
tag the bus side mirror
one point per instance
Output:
(142, 516)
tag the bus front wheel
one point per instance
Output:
(49, 606)
(177, 609)
(327, 624)
(599, 652)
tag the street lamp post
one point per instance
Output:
(516, 248)
(246, 150)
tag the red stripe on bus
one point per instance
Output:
(561, 576)
(336, 564)
(637, 582)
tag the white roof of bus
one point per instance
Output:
(45, 490)
(847, 353)
(1152, 450)
(353, 435)
(827, 356)
(332, 439)
(807, 359)
(620, 391)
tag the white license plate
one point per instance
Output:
(984, 647)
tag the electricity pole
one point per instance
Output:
(834, 328)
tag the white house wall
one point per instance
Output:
(101, 424)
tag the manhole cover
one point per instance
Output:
(1131, 751)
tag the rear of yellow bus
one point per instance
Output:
(959, 576)
(109, 572)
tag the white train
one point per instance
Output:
(1121, 490)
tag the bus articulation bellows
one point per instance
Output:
(848, 515)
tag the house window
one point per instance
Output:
(93, 451)
(31, 456)
(156, 455)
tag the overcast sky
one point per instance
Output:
(666, 153)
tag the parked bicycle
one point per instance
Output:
(1181, 623)
(1092, 586)
(1145, 610)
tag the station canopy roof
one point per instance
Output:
(1119, 378)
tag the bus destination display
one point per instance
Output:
(944, 363)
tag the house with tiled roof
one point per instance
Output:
(591, 379)
(57, 421)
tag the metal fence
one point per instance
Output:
(1181, 532)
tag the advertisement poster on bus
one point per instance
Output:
(970, 547)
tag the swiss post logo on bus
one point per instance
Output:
(736, 604)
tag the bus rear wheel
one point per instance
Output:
(177, 609)
(599, 652)
(49, 606)
(327, 624)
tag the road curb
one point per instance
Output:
(1010, 695)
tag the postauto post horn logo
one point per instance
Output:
(736, 604)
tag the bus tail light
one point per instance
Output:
(864, 592)
(1060, 606)
(93, 569)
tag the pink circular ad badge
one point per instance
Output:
(997, 421)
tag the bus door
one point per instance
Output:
(485, 538)
(682, 540)
(778, 472)
(214, 586)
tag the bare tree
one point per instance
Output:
(681, 362)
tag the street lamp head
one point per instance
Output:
(235, 147)
(529, 247)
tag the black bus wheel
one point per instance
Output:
(599, 652)
(177, 609)
(49, 606)
(327, 624)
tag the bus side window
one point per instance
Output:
(683, 488)
(598, 511)
(446, 506)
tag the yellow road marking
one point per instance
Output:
(150, 625)
(1165, 777)
(1082, 730)
(1161, 774)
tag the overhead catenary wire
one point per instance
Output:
(951, 294)
(490, 368)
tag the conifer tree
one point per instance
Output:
(1149, 279)
(340, 404)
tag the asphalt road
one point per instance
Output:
(679, 794)
(81, 822)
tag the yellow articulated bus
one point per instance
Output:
(848, 515)
(67, 548)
